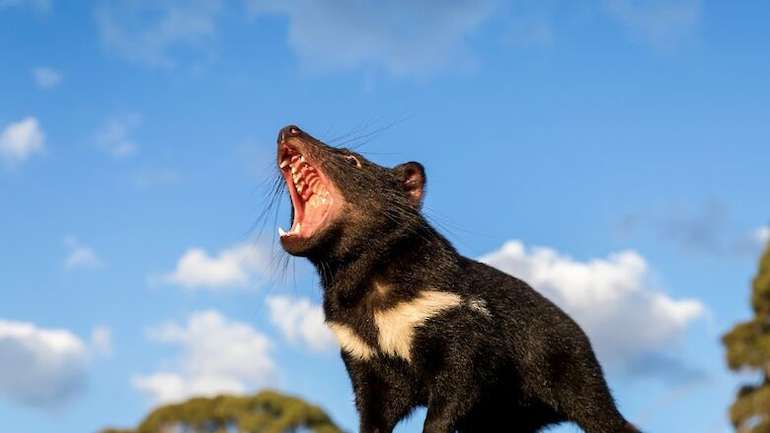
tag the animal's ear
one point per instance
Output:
(412, 177)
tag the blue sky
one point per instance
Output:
(613, 153)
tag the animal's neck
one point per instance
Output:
(410, 261)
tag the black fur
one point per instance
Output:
(520, 366)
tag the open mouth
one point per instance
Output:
(310, 191)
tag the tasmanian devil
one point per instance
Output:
(421, 325)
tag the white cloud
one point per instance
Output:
(114, 136)
(762, 235)
(300, 321)
(40, 367)
(401, 37)
(218, 355)
(626, 318)
(46, 78)
(80, 255)
(20, 140)
(38, 5)
(664, 24)
(237, 266)
(149, 32)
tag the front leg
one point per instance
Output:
(453, 395)
(382, 398)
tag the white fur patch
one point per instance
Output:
(350, 342)
(396, 325)
(480, 306)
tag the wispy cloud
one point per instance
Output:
(79, 255)
(605, 295)
(115, 135)
(663, 24)
(20, 140)
(300, 321)
(703, 229)
(151, 32)
(43, 6)
(400, 37)
(101, 340)
(46, 78)
(237, 266)
(696, 230)
(217, 355)
(530, 33)
(148, 178)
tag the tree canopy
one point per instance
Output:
(748, 348)
(265, 412)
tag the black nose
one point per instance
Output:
(288, 131)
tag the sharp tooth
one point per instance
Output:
(299, 188)
(284, 163)
(281, 231)
(293, 170)
(302, 158)
(299, 227)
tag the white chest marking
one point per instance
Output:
(396, 325)
(350, 342)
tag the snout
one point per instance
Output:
(288, 132)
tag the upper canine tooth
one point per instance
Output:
(302, 158)
(284, 163)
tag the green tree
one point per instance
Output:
(265, 412)
(748, 348)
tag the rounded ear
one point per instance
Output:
(412, 177)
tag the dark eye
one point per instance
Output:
(353, 160)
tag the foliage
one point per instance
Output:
(265, 412)
(748, 348)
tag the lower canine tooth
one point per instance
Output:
(281, 231)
